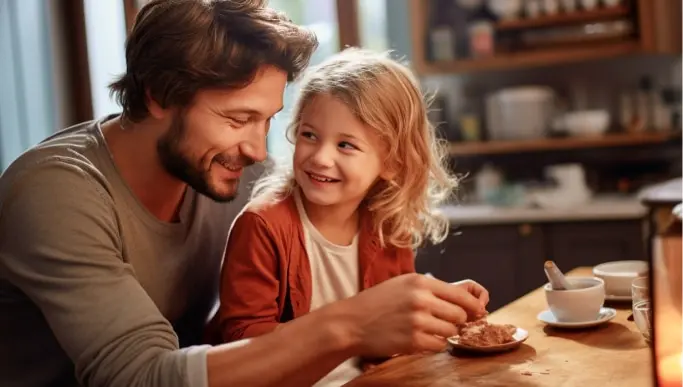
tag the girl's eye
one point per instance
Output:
(347, 145)
(308, 135)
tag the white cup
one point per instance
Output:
(580, 304)
(569, 5)
(551, 7)
(589, 4)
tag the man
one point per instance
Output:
(112, 232)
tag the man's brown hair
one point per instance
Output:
(178, 47)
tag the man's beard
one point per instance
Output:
(179, 165)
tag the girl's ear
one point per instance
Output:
(388, 174)
(390, 169)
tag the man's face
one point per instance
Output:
(209, 144)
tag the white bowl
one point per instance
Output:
(505, 9)
(587, 122)
(619, 275)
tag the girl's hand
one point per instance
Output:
(477, 291)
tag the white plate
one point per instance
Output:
(618, 298)
(520, 336)
(606, 314)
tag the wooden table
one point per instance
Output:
(613, 354)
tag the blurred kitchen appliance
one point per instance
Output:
(524, 112)
(571, 189)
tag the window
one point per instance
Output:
(353, 22)
(372, 23)
(321, 17)
(27, 96)
(106, 35)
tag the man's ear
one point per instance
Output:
(154, 108)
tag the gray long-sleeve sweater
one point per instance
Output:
(94, 290)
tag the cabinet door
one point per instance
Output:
(660, 26)
(495, 256)
(590, 243)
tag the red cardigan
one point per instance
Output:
(266, 276)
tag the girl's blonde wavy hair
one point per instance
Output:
(385, 96)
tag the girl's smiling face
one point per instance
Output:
(337, 158)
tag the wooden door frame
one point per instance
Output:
(348, 23)
(73, 11)
(129, 11)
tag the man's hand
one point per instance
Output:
(408, 314)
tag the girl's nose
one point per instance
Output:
(323, 156)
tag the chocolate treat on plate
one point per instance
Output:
(481, 333)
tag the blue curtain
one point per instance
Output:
(26, 92)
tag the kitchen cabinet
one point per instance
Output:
(491, 255)
(572, 245)
(508, 259)
(442, 40)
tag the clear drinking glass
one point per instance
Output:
(642, 311)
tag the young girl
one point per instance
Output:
(361, 193)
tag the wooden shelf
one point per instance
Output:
(550, 144)
(579, 16)
(540, 57)
(658, 32)
(533, 58)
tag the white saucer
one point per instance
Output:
(606, 314)
(618, 298)
(520, 336)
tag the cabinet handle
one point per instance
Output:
(525, 229)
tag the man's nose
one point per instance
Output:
(255, 147)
